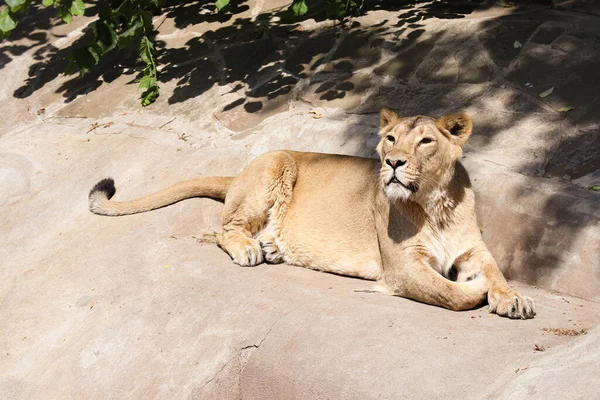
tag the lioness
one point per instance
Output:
(406, 220)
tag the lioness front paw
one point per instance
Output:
(507, 302)
(271, 253)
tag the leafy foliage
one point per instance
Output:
(68, 9)
(129, 22)
(148, 82)
(222, 5)
(7, 22)
(125, 23)
(17, 5)
(120, 24)
(336, 9)
(339, 9)
(299, 8)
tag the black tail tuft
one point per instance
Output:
(107, 186)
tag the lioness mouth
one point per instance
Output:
(411, 186)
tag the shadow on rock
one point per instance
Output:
(418, 60)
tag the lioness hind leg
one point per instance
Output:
(256, 198)
(244, 250)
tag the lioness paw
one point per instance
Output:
(271, 252)
(507, 302)
(246, 254)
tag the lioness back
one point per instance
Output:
(330, 224)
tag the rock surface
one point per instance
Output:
(148, 306)
(555, 370)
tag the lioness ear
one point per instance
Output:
(459, 125)
(388, 117)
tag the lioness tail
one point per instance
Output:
(100, 203)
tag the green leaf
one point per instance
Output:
(85, 58)
(547, 93)
(69, 67)
(337, 8)
(106, 36)
(65, 15)
(221, 4)
(299, 8)
(517, 44)
(145, 50)
(132, 30)
(7, 23)
(566, 108)
(48, 3)
(150, 4)
(149, 96)
(147, 82)
(104, 11)
(120, 9)
(95, 52)
(146, 19)
(595, 188)
(77, 7)
(126, 36)
(16, 5)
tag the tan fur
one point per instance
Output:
(406, 220)
(215, 187)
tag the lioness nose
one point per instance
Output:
(395, 163)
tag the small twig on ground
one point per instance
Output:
(167, 123)
(537, 347)
(96, 125)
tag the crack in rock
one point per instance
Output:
(240, 353)
(256, 346)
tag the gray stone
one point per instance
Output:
(569, 65)
(404, 64)
(200, 18)
(146, 306)
(344, 91)
(149, 299)
(266, 100)
(310, 54)
(583, 6)
(455, 60)
(570, 373)
(542, 229)
(252, 62)
(499, 39)
(358, 50)
(576, 157)
(546, 34)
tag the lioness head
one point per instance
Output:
(418, 154)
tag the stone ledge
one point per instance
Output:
(542, 232)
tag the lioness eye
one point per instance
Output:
(391, 138)
(426, 140)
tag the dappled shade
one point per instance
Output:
(417, 57)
